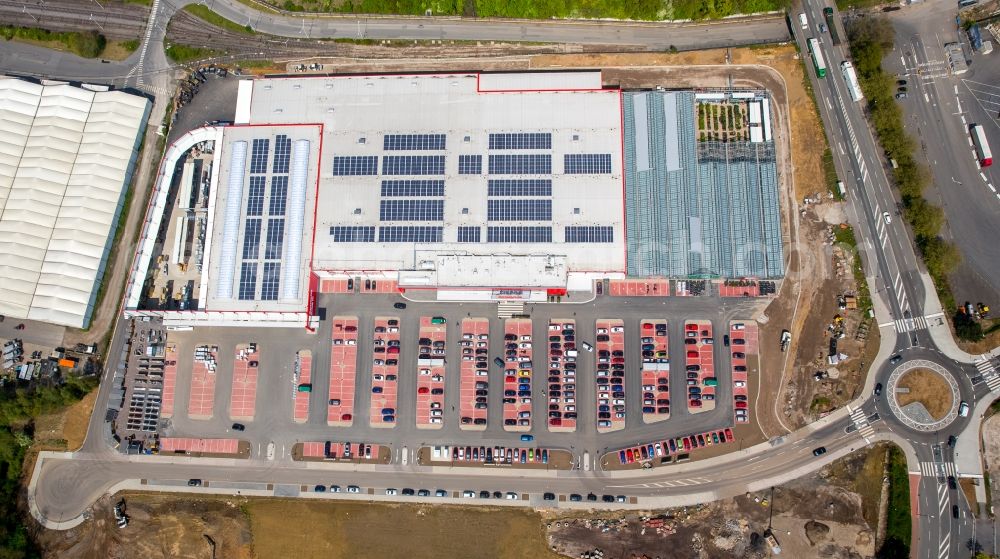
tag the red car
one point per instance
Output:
(693, 327)
(629, 457)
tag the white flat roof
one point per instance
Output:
(66, 156)
(358, 112)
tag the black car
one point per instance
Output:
(878, 389)
(954, 511)
(951, 440)
(399, 305)
(408, 492)
(239, 427)
(549, 497)
(819, 451)
(194, 482)
(951, 482)
(575, 497)
(608, 498)
(591, 497)
(484, 494)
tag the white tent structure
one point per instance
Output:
(66, 157)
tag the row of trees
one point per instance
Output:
(544, 9)
(871, 39)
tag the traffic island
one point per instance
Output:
(923, 395)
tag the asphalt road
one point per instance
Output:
(65, 486)
(896, 281)
(656, 36)
(273, 421)
(939, 109)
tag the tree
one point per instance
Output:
(88, 44)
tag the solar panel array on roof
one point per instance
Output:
(521, 140)
(519, 210)
(521, 164)
(289, 168)
(275, 238)
(416, 142)
(282, 154)
(696, 209)
(278, 195)
(410, 234)
(519, 234)
(251, 238)
(258, 156)
(355, 165)
(587, 163)
(469, 234)
(520, 187)
(470, 164)
(589, 234)
(353, 233)
(411, 210)
(270, 281)
(412, 164)
(255, 195)
(413, 188)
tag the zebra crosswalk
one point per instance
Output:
(990, 375)
(937, 469)
(861, 422)
(904, 325)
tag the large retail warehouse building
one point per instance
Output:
(474, 186)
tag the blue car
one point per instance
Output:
(376, 390)
(389, 418)
(527, 438)
(621, 456)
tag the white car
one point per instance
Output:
(390, 491)
(740, 383)
(586, 346)
(887, 217)
(512, 496)
(469, 494)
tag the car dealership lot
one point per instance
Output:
(333, 378)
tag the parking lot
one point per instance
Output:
(372, 356)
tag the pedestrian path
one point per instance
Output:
(932, 469)
(989, 372)
(861, 422)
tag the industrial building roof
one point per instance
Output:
(460, 165)
(66, 156)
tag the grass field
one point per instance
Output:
(376, 531)
(928, 388)
(203, 13)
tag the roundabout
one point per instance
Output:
(923, 395)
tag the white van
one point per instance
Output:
(963, 409)
(803, 22)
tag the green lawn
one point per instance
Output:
(202, 12)
(899, 526)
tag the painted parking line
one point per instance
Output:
(169, 380)
(243, 398)
(699, 345)
(518, 364)
(741, 354)
(655, 369)
(202, 399)
(302, 374)
(432, 351)
(474, 381)
(386, 349)
(343, 371)
(562, 368)
(610, 393)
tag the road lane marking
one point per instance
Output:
(981, 174)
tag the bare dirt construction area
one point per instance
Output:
(818, 516)
(928, 388)
(167, 526)
(160, 526)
